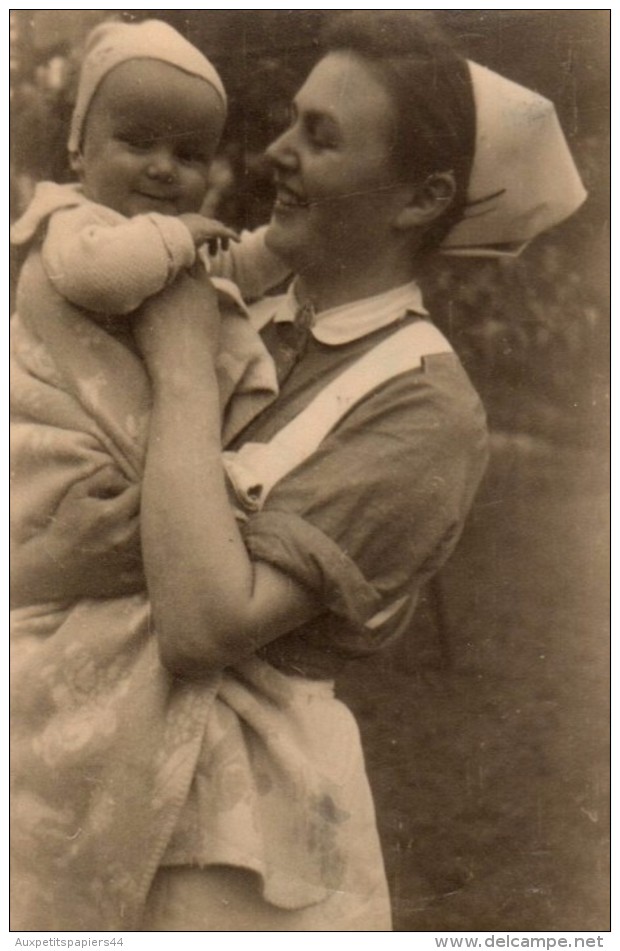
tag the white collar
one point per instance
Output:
(351, 321)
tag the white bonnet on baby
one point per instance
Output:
(113, 43)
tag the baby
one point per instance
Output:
(148, 118)
(105, 742)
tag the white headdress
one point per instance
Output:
(523, 180)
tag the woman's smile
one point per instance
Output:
(287, 199)
(334, 162)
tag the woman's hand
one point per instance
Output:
(180, 322)
(89, 549)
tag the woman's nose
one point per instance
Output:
(282, 151)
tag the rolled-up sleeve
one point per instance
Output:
(304, 551)
(379, 506)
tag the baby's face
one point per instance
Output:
(150, 135)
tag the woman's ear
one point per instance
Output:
(429, 200)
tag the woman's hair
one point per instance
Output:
(430, 86)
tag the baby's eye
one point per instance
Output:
(192, 154)
(135, 142)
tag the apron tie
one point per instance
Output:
(292, 341)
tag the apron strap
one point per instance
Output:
(255, 468)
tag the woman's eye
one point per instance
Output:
(320, 140)
(323, 142)
(321, 136)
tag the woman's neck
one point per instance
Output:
(346, 284)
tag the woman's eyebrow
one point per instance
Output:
(298, 108)
(320, 114)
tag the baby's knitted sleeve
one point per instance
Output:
(250, 264)
(108, 264)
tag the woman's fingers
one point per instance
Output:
(105, 483)
(99, 513)
(126, 505)
(109, 491)
(127, 538)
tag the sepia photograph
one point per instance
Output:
(310, 502)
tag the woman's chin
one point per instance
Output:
(281, 238)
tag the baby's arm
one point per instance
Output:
(209, 231)
(108, 264)
(250, 264)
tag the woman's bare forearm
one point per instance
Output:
(212, 604)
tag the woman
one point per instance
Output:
(308, 544)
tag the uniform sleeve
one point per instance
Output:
(381, 504)
(250, 264)
(109, 264)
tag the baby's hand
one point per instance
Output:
(208, 231)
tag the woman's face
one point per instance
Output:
(337, 188)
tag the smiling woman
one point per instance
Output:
(296, 537)
(344, 519)
(337, 188)
(377, 164)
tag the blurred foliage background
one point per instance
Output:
(532, 332)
